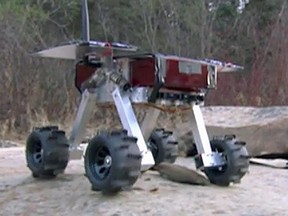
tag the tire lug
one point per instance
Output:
(229, 136)
(240, 143)
(245, 156)
(168, 132)
(173, 142)
(159, 129)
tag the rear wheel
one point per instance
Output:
(112, 161)
(236, 157)
(163, 146)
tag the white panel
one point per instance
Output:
(189, 67)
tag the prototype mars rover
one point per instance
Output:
(120, 74)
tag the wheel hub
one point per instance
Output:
(37, 153)
(108, 161)
(103, 162)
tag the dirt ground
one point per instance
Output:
(263, 191)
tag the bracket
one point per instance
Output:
(205, 157)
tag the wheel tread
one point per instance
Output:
(122, 146)
(172, 142)
(130, 139)
(241, 143)
(134, 173)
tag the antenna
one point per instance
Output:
(85, 22)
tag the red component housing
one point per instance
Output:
(142, 73)
(83, 72)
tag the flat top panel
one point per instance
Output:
(79, 49)
(61, 52)
(75, 50)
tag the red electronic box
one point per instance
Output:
(179, 73)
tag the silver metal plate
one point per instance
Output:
(212, 159)
(74, 50)
(224, 67)
(199, 130)
(187, 67)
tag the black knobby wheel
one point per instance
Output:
(163, 146)
(236, 156)
(47, 152)
(112, 161)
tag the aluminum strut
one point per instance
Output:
(88, 101)
(130, 123)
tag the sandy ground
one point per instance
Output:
(263, 191)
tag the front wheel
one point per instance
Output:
(236, 156)
(47, 152)
(112, 161)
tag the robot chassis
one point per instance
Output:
(118, 73)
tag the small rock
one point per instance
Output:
(116, 214)
(146, 211)
(138, 189)
(219, 212)
(154, 189)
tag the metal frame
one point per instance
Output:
(199, 130)
(128, 120)
(130, 123)
(122, 100)
(149, 122)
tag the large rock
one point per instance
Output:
(260, 139)
(271, 138)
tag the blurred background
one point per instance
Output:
(249, 33)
